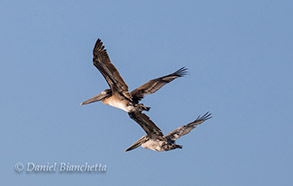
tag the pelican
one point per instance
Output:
(155, 140)
(118, 95)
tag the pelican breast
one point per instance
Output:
(155, 145)
(116, 101)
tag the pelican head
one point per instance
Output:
(104, 94)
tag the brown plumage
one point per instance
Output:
(118, 95)
(154, 139)
(155, 84)
(144, 121)
(103, 63)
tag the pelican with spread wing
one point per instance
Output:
(118, 95)
(155, 140)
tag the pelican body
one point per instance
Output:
(118, 95)
(117, 100)
(155, 140)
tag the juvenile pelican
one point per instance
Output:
(154, 139)
(118, 95)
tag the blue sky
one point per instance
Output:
(239, 56)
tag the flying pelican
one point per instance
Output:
(154, 139)
(118, 95)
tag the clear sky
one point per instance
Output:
(240, 60)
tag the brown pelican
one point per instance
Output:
(154, 139)
(118, 95)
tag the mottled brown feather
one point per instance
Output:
(148, 126)
(153, 85)
(185, 129)
(102, 61)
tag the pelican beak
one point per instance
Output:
(96, 98)
(137, 144)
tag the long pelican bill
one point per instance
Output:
(96, 98)
(137, 144)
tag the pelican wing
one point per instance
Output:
(102, 61)
(155, 84)
(148, 126)
(185, 129)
